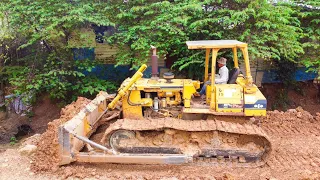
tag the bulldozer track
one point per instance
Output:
(193, 126)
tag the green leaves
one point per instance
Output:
(91, 85)
(52, 20)
(44, 31)
(270, 30)
(143, 24)
(58, 83)
(309, 18)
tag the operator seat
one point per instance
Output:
(233, 75)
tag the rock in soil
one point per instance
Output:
(28, 150)
(3, 115)
(32, 140)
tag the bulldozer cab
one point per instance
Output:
(240, 94)
(213, 47)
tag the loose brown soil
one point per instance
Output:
(295, 136)
(46, 157)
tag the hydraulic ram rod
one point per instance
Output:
(84, 139)
(124, 89)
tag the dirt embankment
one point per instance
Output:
(306, 95)
(44, 111)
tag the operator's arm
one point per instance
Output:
(224, 76)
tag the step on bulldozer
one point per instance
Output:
(163, 121)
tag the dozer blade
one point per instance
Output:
(73, 133)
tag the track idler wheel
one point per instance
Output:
(116, 137)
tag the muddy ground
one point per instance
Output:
(295, 136)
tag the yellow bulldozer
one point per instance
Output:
(161, 121)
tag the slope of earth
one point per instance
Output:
(295, 138)
(305, 95)
(44, 111)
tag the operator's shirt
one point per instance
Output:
(223, 76)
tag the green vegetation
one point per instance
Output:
(35, 55)
(39, 31)
(13, 140)
(272, 31)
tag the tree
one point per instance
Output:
(47, 62)
(42, 29)
(308, 13)
(271, 31)
(5, 35)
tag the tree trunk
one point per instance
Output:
(316, 83)
(3, 112)
(2, 85)
(1, 77)
(2, 100)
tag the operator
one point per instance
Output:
(221, 78)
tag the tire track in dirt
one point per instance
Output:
(295, 136)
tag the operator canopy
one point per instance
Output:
(204, 44)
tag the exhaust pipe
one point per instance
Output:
(154, 63)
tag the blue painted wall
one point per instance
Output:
(106, 71)
(121, 72)
(270, 76)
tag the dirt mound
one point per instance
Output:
(295, 136)
(9, 127)
(32, 140)
(298, 115)
(46, 157)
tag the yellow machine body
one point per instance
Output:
(240, 99)
(229, 98)
(171, 94)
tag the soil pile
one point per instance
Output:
(298, 115)
(80, 172)
(32, 140)
(46, 158)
